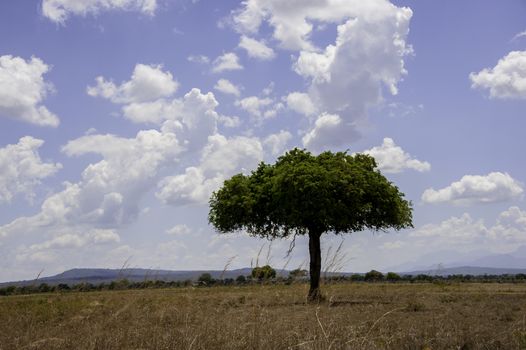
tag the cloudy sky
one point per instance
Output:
(118, 118)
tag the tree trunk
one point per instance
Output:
(315, 266)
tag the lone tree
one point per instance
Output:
(303, 194)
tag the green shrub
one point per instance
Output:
(263, 273)
(373, 276)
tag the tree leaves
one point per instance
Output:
(300, 193)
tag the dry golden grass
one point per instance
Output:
(355, 316)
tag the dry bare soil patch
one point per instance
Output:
(355, 316)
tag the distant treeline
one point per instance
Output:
(296, 276)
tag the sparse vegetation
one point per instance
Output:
(355, 316)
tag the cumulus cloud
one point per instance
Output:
(179, 230)
(292, 21)
(260, 108)
(254, 105)
(221, 158)
(256, 49)
(22, 169)
(459, 228)
(148, 82)
(228, 121)
(147, 98)
(300, 103)
(276, 143)
(227, 87)
(193, 117)
(102, 236)
(506, 80)
(49, 250)
(22, 90)
(494, 187)
(70, 240)
(328, 129)
(226, 62)
(348, 76)
(108, 194)
(59, 11)
(393, 159)
(510, 227)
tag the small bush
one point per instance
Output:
(373, 276)
(263, 273)
(392, 277)
(206, 279)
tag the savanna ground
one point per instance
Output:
(355, 316)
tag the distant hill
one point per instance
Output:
(466, 270)
(97, 276)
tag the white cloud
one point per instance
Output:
(225, 62)
(193, 117)
(398, 109)
(293, 20)
(506, 80)
(226, 87)
(254, 105)
(347, 77)
(22, 169)
(276, 143)
(147, 83)
(108, 193)
(458, 228)
(301, 103)
(229, 122)
(256, 49)
(494, 187)
(328, 129)
(48, 251)
(65, 241)
(22, 90)
(221, 158)
(393, 245)
(259, 108)
(103, 236)
(393, 159)
(179, 230)
(188, 188)
(59, 10)
(510, 227)
(519, 35)
(201, 59)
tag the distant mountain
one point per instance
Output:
(498, 261)
(466, 270)
(97, 276)
(452, 258)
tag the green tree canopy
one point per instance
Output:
(304, 194)
(263, 272)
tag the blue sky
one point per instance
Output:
(119, 118)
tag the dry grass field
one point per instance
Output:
(355, 316)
